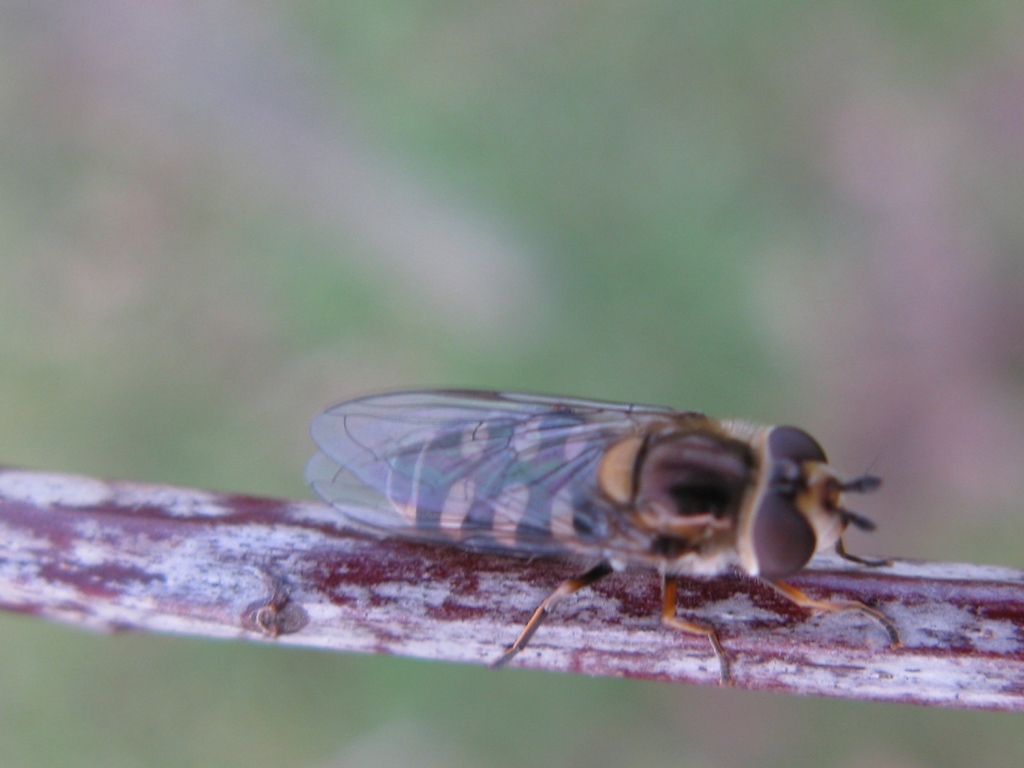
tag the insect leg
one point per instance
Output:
(669, 586)
(566, 588)
(805, 601)
(869, 561)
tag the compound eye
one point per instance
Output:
(793, 444)
(783, 539)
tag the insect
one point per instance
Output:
(612, 484)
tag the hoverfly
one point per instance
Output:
(610, 483)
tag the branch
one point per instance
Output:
(125, 556)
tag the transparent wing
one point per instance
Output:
(487, 470)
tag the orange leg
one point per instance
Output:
(805, 601)
(669, 586)
(566, 588)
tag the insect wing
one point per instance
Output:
(489, 471)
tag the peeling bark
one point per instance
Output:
(125, 556)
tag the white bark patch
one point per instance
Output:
(151, 558)
(49, 489)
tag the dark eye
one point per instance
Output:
(794, 444)
(783, 540)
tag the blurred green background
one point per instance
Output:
(219, 218)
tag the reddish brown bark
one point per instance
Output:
(124, 556)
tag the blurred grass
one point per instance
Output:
(217, 221)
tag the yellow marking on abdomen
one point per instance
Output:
(407, 507)
(509, 508)
(457, 504)
(615, 473)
